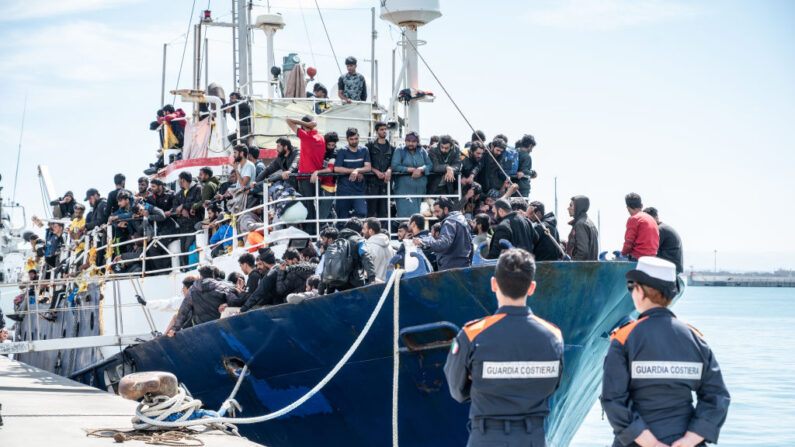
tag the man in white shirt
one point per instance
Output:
(245, 169)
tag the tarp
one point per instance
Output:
(197, 137)
(269, 116)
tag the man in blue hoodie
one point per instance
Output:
(453, 249)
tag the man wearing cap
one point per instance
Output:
(507, 364)
(513, 227)
(653, 366)
(351, 85)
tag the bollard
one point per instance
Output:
(155, 383)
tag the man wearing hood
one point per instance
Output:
(453, 248)
(206, 296)
(583, 244)
(378, 246)
(548, 246)
(512, 227)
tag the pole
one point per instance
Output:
(556, 197)
(19, 151)
(412, 76)
(206, 64)
(163, 78)
(372, 54)
(715, 257)
(250, 76)
(269, 32)
(242, 46)
(197, 56)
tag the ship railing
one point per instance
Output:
(92, 242)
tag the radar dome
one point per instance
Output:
(410, 12)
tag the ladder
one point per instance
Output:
(235, 43)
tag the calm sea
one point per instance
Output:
(752, 333)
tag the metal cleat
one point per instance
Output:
(155, 383)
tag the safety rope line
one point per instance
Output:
(449, 96)
(156, 418)
(337, 61)
(395, 359)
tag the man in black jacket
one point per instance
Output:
(548, 247)
(163, 198)
(292, 274)
(472, 166)
(286, 163)
(445, 167)
(206, 296)
(525, 170)
(186, 218)
(237, 104)
(119, 180)
(381, 163)
(512, 227)
(583, 243)
(97, 218)
(363, 267)
(670, 243)
(263, 295)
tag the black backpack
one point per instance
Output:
(337, 263)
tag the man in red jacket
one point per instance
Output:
(642, 237)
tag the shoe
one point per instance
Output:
(150, 171)
(49, 316)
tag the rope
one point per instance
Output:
(179, 408)
(395, 356)
(449, 96)
(328, 37)
(306, 29)
(184, 47)
(161, 412)
(19, 151)
(171, 437)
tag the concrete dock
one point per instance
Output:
(40, 408)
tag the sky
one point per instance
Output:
(691, 104)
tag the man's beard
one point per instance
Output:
(238, 159)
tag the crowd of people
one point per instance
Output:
(476, 195)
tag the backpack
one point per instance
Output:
(510, 160)
(338, 263)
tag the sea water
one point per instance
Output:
(752, 333)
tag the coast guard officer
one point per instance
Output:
(507, 364)
(654, 364)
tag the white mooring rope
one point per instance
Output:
(151, 413)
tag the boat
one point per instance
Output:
(112, 323)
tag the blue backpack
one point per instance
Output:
(510, 160)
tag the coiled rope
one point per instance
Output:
(183, 411)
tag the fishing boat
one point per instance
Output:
(343, 349)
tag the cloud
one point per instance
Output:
(610, 14)
(83, 51)
(37, 9)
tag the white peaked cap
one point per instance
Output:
(657, 273)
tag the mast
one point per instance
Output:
(410, 15)
(242, 47)
(269, 24)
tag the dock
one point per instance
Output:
(41, 408)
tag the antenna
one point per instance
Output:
(19, 151)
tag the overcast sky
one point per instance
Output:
(690, 104)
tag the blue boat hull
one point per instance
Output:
(290, 348)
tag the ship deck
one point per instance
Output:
(41, 408)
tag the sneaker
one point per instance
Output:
(150, 171)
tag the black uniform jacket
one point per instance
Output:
(651, 369)
(507, 364)
(516, 229)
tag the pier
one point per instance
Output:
(40, 408)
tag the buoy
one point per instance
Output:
(311, 71)
(155, 383)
